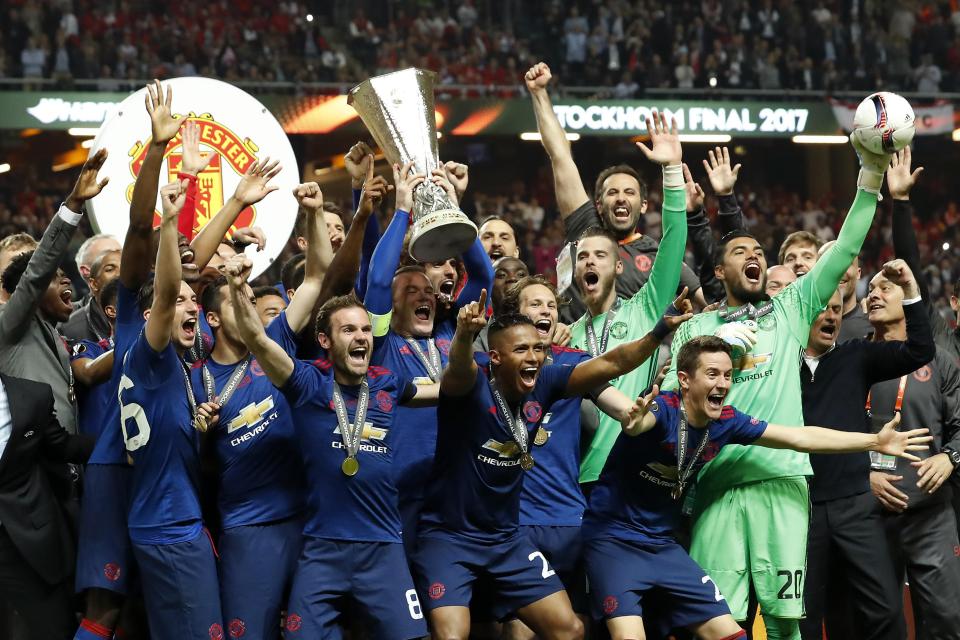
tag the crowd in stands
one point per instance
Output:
(625, 46)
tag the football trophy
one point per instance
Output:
(397, 109)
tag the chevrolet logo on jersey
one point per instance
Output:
(252, 414)
(370, 432)
(662, 476)
(668, 473)
(507, 449)
(750, 361)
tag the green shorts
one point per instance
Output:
(755, 532)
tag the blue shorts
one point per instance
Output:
(622, 573)
(518, 573)
(563, 547)
(104, 551)
(257, 563)
(372, 574)
(180, 589)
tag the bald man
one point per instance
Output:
(778, 277)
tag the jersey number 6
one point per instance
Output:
(132, 411)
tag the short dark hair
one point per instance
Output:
(15, 270)
(689, 354)
(615, 169)
(504, 321)
(265, 291)
(108, 294)
(333, 305)
(212, 296)
(145, 296)
(727, 239)
(511, 298)
(599, 232)
(798, 237)
(293, 271)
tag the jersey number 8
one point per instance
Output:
(132, 411)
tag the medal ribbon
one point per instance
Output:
(186, 381)
(350, 433)
(684, 474)
(432, 363)
(517, 427)
(592, 346)
(210, 384)
(746, 311)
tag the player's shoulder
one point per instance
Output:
(667, 400)
(564, 355)
(380, 376)
(83, 348)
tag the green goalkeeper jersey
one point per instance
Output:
(766, 381)
(633, 319)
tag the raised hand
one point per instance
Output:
(472, 317)
(193, 161)
(633, 420)
(250, 235)
(719, 171)
(357, 161)
(693, 190)
(899, 178)
(873, 162)
(375, 188)
(406, 181)
(457, 175)
(160, 107)
(439, 178)
(237, 270)
(172, 197)
(87, 186)
(562, 335)
(897, 272)
(681, 304)
(537, 77)
(253, 185)
(309, 197)
(665, 146)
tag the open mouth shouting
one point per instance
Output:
(753, 272)
(543, 325)
(715, 401)
(827, 331)
(621, 213)
(496, 252)
(422, 312)
(66, 296)
(446, 289)
(187, 264)
(357, 355)
(591, 282)
(528, 376)
(189, 328)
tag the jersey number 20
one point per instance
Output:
(132, 411)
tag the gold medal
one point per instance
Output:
(526, 462)
(200, 423)
(541, 437)
(350, 466)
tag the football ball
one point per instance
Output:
(884, 122)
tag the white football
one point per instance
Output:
(884, 122)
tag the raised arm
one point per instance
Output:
(460, 374)
(166, 286)
(820, 440)
(93, 371)
(566, 178)
(319, 256)
(271, 357)
(612, 364)
(136, 260)
(16, 314)
(252, 188)
(358, 162)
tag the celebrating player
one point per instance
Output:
(635, 506)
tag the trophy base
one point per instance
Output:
(440, 235)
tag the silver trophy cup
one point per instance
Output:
(398, 111)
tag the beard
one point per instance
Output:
(745, 295)
(619, 228)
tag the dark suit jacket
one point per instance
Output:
(29, 510)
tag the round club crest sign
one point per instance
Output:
(235, 127)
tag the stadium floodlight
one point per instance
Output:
(534, 136)
(87, 144)
(705, 137)
(83, 132)
(809, 139)
(956, 135)
(4, 167)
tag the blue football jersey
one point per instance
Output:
(551, 494)
(157, 425)
(362, 507)
(92, 401)
(129, 323)
(258, 458)
(632, 498)
(413, 453)
(475, 487)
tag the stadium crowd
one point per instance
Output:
(494, 444)
(621, 45)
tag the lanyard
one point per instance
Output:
(593, 347)
(683, 474)
(431, 363)
(350, 433)
(896, 405)
(746, 311)
(199, 422)
(210, 384)
(517, 426)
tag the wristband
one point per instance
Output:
(186, 176)
(660, 330)
(673, 176)
(870, 181)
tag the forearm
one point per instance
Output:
(461, 370)
(828, 270)
(342, 274)
(668, 263)
(614, 403)
(610, 365)
(136, 259)
(270, 356)
(383, 265)
(205, 244)
(905, 245)
(188, 215)
(93, 372)
(817, 440)
(566, 178)
(319, 249)
(479, 274)
(371, 236)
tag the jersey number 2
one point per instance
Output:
(135, 412)
(547, 571)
